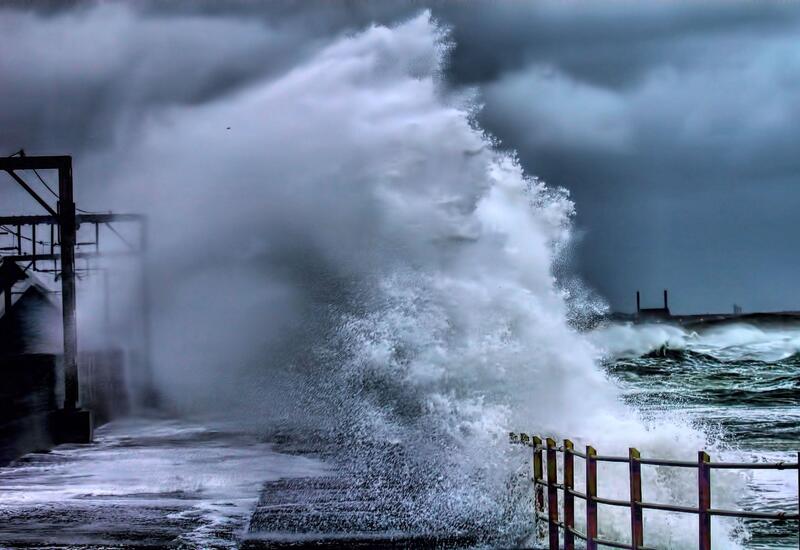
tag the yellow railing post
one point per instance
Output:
(538, 477)
(591, 494)
(637, 530)
(569, 499)
(552, 494)
(704, 500)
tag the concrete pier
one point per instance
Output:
(143, 483)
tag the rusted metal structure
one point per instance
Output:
(74, 424)
(566, 525)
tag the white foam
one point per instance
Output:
(727, 342)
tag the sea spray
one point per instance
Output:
(342, 251)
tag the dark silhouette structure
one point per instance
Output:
(652, 314)
(70, 423)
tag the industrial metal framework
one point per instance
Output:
(636, 504)
(63, 222)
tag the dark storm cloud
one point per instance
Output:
(674, 128)
(73, 78)
(673, 124)
(76, 72)
(612, 44)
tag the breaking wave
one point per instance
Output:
(347, 257)
(733, 341)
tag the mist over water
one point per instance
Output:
(340, 253)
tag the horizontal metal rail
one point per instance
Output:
(95, 217)
(636, 504)
(670, 463)
(80, 255)
(33, 163)
(754, 465)
(600, 458)
(515, 439)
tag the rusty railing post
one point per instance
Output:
(704, 500)
(591, 494)
(552, 494)
(538, 477)
(569, 498)
(536, 443)
(637, 530)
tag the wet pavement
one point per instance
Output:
(146, 483)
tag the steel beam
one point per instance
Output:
(31, 192)
(78, 256)
(59, 162)
(79, 219)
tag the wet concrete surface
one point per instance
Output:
(145, 483)
(332, 512)
(166, 483)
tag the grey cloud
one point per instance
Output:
(669, 123)
(611, 43)
(681, 179)
(76, 77)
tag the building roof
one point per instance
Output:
(29, 298)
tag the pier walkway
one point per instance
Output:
(165, 483)
(144, 483)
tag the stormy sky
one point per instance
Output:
(673, 125)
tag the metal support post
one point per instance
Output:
(66, 218)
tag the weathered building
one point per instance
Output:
(31, 367)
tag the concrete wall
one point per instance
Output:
(27, 395)
(31, 388)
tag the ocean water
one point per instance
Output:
(740, 384)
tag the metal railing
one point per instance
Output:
(636, 504)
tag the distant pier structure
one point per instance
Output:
(653, 313)
(664, 315)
